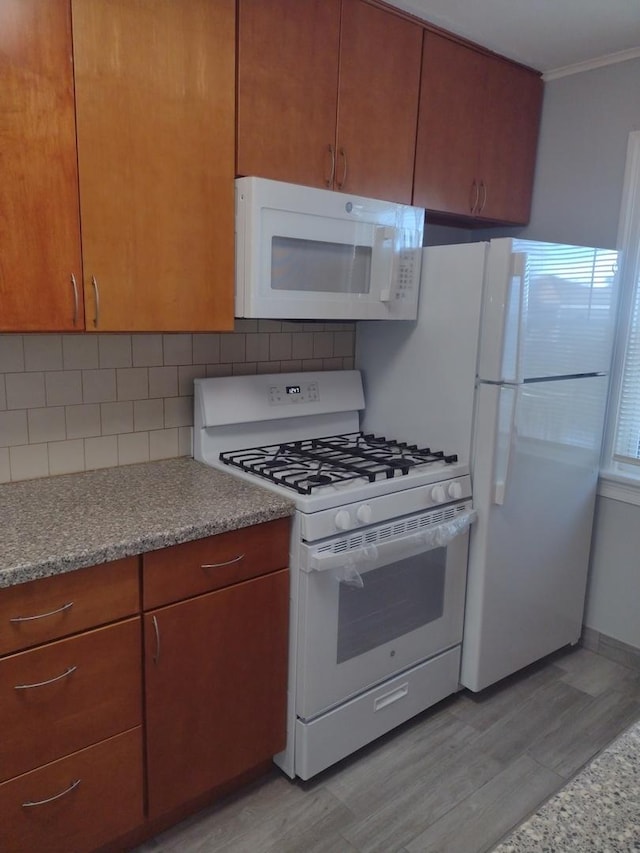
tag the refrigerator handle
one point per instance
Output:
(505, 434)
(512, 340)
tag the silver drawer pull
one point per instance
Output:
(226, 563)
(65, 674)
(64, 607)
(31, 803)
(156, 655)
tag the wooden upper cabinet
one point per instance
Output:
(477, 133)
(155, 119)
(328, 95)
(377, 103)
(287, 89)
(39, 218)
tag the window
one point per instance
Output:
(623, 444)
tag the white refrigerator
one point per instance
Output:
(507, 365)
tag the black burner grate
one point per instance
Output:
(315, 462)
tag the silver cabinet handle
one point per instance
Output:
(474, 188)
(226, 563)
(96, 292)
(343, 154)
(156, 655)
(31, 803)
(65, 674)
(483, 187)
(332, 173)
(74, 284)
(62, 609)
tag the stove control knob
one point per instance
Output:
(342, 520)
(437, 495)
(455, 490)
(364, 514)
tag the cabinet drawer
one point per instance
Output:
(48, 608)
(182, 571)
(78, 803)
(66, 695)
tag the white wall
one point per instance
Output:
(586, 122)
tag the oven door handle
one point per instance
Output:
(386, 552)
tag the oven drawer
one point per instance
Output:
(182, 571)
(338, 733)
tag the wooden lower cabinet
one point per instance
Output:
(78, 803)
(216, 687)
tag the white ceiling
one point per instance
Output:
(547, 35)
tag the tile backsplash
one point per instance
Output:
(76, 402)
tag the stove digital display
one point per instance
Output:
(294, 390)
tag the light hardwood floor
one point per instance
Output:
(455, 779)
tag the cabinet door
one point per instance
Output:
(449, 125)
(155, 115)
(511, 120)
(216, 687)
(287, 89)
(380, 55)
(39, 219)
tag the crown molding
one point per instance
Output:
(590, 64)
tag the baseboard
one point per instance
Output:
(610, 648)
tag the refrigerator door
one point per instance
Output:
(549, 310)
(536, 452)
(419, 377)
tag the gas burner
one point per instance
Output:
(333, 460)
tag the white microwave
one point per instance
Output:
(312, 254)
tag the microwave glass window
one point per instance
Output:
(314, 266)
(394, 600)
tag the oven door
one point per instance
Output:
(374, 603)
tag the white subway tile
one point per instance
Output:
(163, 443)
(11, 353)
(163, 382)
(292, 326)
(114, 350)
(80, 352)
(178, 349)
(348, 363)
(98, 386)
(185, 441)
(5, 467)
(25, 390)
(257, 347)
(244, 368)
(116, 417)
(312, 364)
(133, 448)
(244, 324)
(66, 457)
(186, 375)
(269, 325)
(269, 367)
(294, 365)
(148, 415)
(101, 452)
(280, 346)
(13, 428)
(219, 369)
(322, 344)
(206, 349)
(302, 345)
(343, 344)
(178, 411)
(29, 461)
(46, 424)
(42, 352)
(147, 350)
(63, 387)
(132, 383)
(332, 364)
(83, 421)
(232, 348)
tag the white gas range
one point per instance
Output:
(378, 553)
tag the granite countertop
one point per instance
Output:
(58, 524)
(598, 811)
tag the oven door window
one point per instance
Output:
(393, 601)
